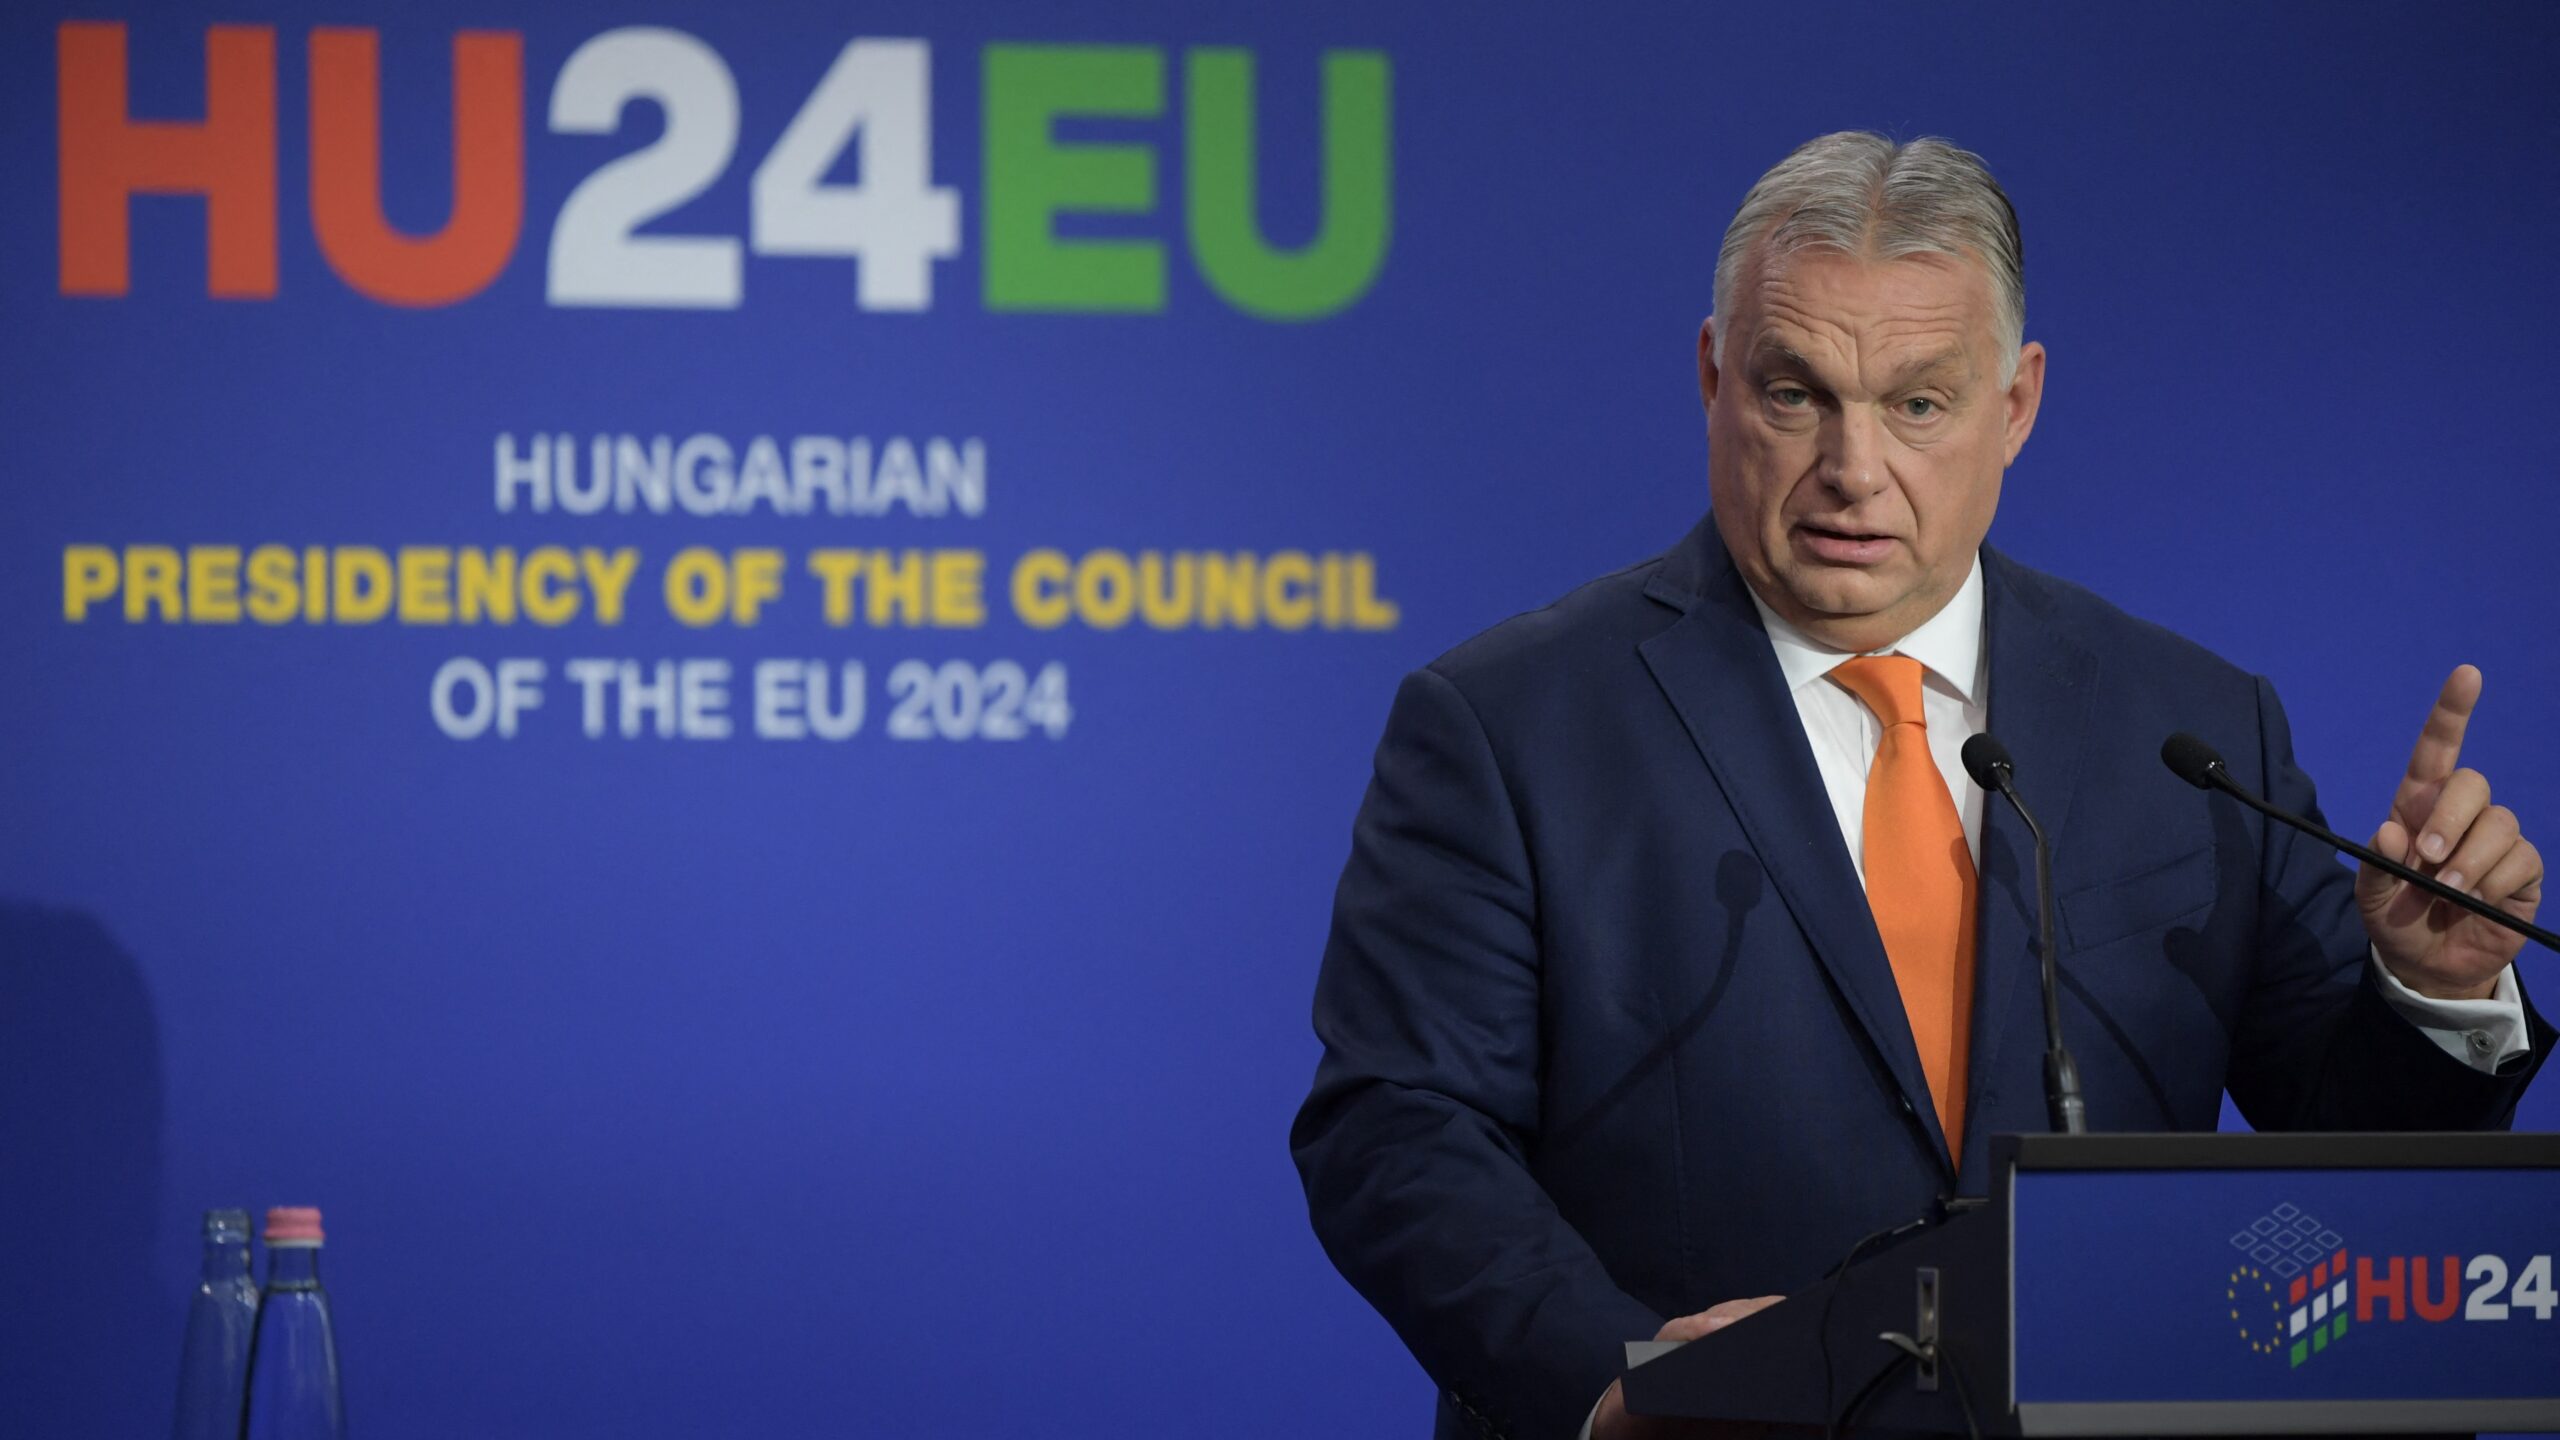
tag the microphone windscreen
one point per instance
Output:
(2190, 759)
(1984, 759)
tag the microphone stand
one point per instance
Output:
(2064, 1107)
(1988, 762)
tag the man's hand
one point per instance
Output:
(2443, 824)
(1612, 1422)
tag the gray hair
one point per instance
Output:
(1862, 194)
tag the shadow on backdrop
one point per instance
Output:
(80, 1115)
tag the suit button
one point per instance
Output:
(1907, 1108)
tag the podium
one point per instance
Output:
(2175, 1285)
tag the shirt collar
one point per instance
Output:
(1948, 644)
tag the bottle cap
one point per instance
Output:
(293, 1225)
(227, 1225)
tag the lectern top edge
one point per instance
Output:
(2485, 1150)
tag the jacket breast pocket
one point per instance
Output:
(2149, 899)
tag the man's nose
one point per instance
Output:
(1853, 453)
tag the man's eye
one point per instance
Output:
(1919, 407)
(1791, 397)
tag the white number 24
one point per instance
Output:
(2533, 1288)
(894, 222)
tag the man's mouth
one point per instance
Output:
(1841, 545)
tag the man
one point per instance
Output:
(1676, 951)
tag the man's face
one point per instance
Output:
(1856, 436)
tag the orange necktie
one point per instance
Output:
(1920, 880)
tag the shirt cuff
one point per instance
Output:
(2483, 1034)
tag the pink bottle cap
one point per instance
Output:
(293, 1225)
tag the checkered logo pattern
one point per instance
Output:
(2288, 1295)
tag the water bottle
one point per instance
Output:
(293, 1364)
(213, 1373)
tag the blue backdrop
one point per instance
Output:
(671, 1087)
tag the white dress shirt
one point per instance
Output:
(1955, 701)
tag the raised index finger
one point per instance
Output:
(2439, 748)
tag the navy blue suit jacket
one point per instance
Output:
(1609, 1035)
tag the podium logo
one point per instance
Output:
(2288, 1296)
(2290, 1293)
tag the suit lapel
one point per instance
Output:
(2042, 684)
(1715, 666)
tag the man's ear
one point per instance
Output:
(2025, 397)
(1708, 379)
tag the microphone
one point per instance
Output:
(1988, 762)
(2196, 763)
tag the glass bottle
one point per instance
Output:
(213, 1371)
(293, 1364)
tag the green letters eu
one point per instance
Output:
(1341, 262)
(1031, 178)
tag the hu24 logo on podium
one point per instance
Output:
(2291, 1292)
